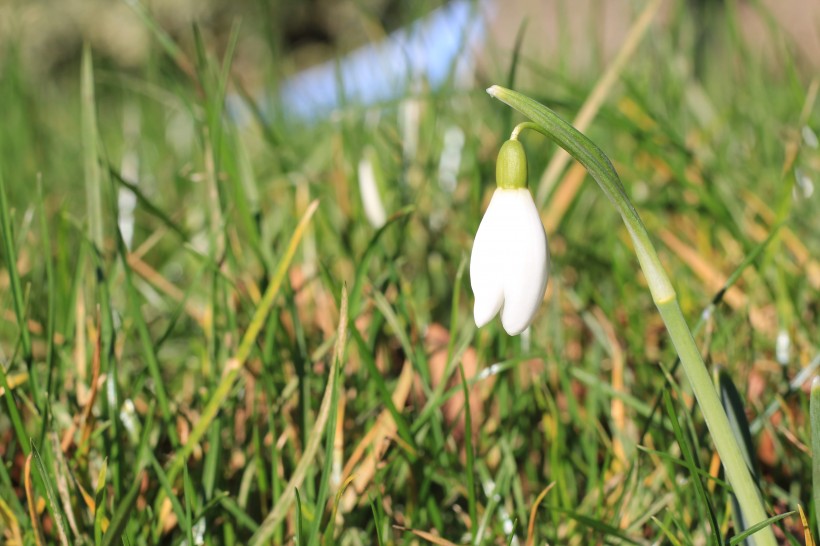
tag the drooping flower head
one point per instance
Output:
(509, 265)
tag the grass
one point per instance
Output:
(181, 388)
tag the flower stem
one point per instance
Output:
(596, 162)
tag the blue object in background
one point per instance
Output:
(428, 49)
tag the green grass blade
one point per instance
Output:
(372, 248)
(148, 205)
(814, 417)
(330, 431)
(758, 527)
(114, 534)
(470, 451)
(300, 534)
(10, 252)
(14, 413)
(241, 516)
(188, 496)
(168, 491)
(51, 317)
(324, 482)
(51, 496)
(735, 411)
(693, 466)
(377, 523)
(93, 186)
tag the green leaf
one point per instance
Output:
(123, 512)
(758, 527)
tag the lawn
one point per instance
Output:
(235, 325)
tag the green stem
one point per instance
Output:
(590, 156)
(814, 413)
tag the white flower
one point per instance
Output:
(372, 201)
(509, 266)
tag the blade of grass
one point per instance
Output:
(56, 509)
(114, 534)
(667, 532)
(188, 497)
(470, 452)
(598, 526)
(806, 528)
(377, 523)
(533, 511)
(9, 520)
(513, 71)
(286, 498)
(597, 96)
(93, 188)
(98, 504)
(16, 287)
(300, 534)
(369, 253)
(32, 503)
(758, 527)
(168, 491)
(14, 413)
(330, 429)
(14, 276)
(329, 537)
(51, 309)
(735, 411)
(239, 514)
(814, 417)
(693, 466)
(148, 205)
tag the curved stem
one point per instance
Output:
(596, 162)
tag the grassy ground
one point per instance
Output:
(261, 364)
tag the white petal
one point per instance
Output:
(526, 261)
(486, 267)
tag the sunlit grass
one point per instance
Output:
(181, 388)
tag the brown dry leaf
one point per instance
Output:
(618, 409)
(564, 196)
(377, 440)
(806, 528)
(166, 287)
(436, 340)
(714, 279)
(533, 511)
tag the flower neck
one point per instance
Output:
(511, 167)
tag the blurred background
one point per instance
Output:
(283, 37)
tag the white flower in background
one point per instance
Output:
(509, 265)
(371, 200)
(450, 161)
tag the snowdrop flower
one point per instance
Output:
(509, 265)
